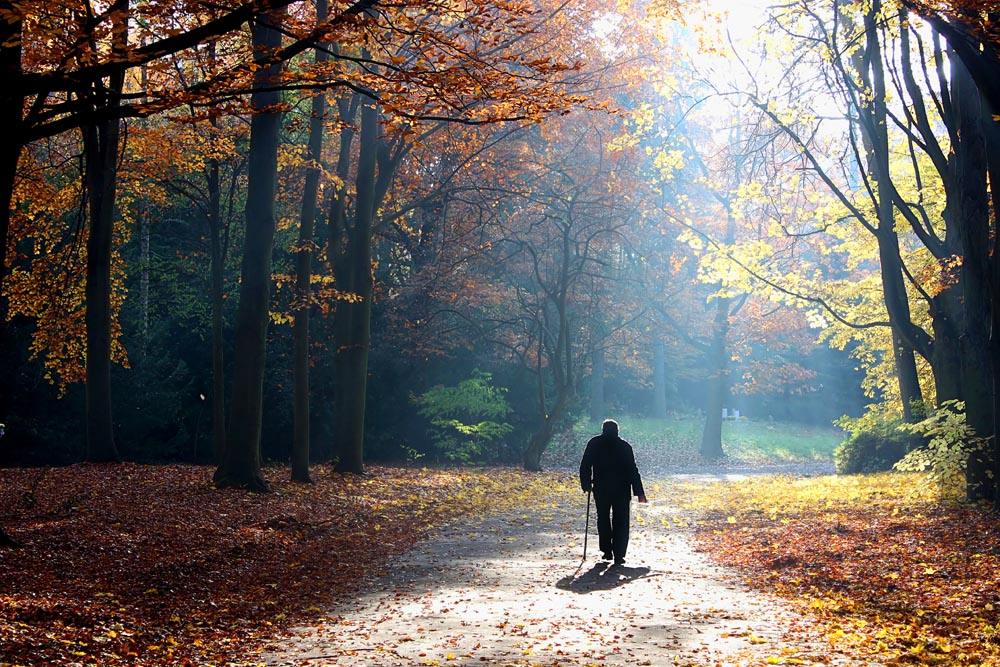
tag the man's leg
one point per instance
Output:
(604, 533)
(620, 525)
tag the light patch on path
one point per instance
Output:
(506, 590)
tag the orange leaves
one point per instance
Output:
(149, 565)
(913, 586)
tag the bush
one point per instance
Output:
(949, 443)
(875, 444)
(466, 421)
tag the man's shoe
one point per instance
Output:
(607, 556)
(619, 561)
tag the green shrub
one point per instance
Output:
(950, 442)
(467, 420)
(875, 444)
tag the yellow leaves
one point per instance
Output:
(667, 163)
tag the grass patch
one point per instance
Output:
(888, 567)
(676, 440)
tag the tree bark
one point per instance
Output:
(241, 463)
(876, 141)
(718, 384)
(353, 325)
(12, 110)
(101, 141)
(968, 166)
(303, 278)
(217, 293)
(993, 170)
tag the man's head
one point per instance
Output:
(609, 427)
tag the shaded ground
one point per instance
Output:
(150, 565)
(508, 590)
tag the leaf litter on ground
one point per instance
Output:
(892, 569)
(144, 565)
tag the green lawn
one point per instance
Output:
(674, 441)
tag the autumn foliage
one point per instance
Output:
(142, 565)
(887, 569)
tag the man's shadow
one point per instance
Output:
(602, 577)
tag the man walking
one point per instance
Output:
(608, 467)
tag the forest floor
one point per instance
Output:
(150, 565)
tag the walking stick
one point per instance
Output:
(586, 531)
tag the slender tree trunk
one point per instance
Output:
(597, 383)
(718, 384)
(659, 380)
(217, 267)
(876, 141)
(241, 463)
(303, 277)
(101, 141)
(144, 239)
(354, 319)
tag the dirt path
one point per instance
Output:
(506, 590)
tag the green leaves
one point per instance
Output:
(465, 419)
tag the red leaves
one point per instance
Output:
(139, 564)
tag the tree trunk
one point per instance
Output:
(241, 462)
(993, 295)
(597, 384)
(718, 385)
(101, 144)
(659, 380)
(541, 438)
(876, 141)
(12, 110)
(968, 165)
(353, 326)
(303, 278)
(217, 267)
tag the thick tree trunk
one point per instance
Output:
(993, 286)
(718, 384)
(353, 326)
(597, 384)
(303, 277)
(968, 164)
(241, 462)
(659, 380)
